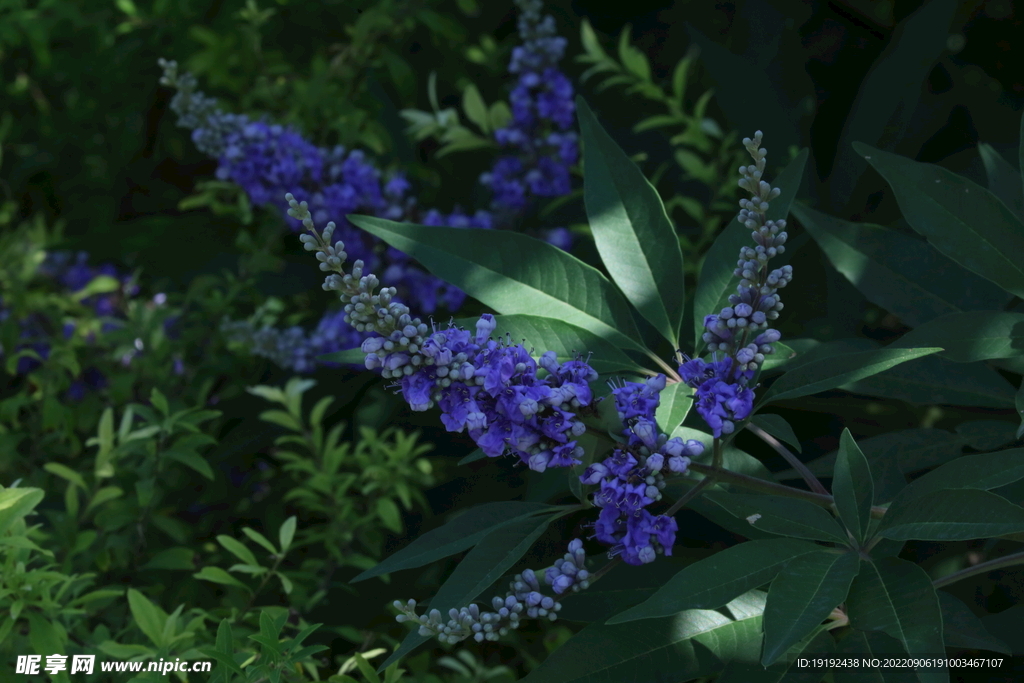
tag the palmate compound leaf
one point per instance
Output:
(960, 218)
(714, 581)
(514, 273)
(467, 529)
(632, 231)
(489, 559)
(896, 597)
(716, 280)
(802, 596)
(680, 647)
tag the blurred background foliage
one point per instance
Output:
(123, 404)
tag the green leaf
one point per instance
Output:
(566, 340)
(676, 401)
(971, 336)
(852, 487)
(347, 357)
(777, 426)
(66, 473)
(633, 234)
(932, 380)
(716, 281)
(783, 516)
(804, 593)
(951, 515)
(714, 581)
(1018, 403)
(148, 617)
(191, 459)
(103, 495)
(260, 539)
(901, 273)
(1003, 179)
(218, 575)
(237, 549)
(159, 401)
(172, 558)
(16, 504)
(888, 96)
(961, 219)
(961, 628)
(829, 373)
(513, 273)
(389, 514)
(463, 532)
(476, 110)
(632, 58)
(624, 587)
(286, 534)
(101, 284)
(983, 471)
(489, 559)
(477, 454)
(896, 597)
(680, 647)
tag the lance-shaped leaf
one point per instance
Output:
(680, 647)
(716, 280)
(463, 532)
(782, 516)
(853, 487)
(514, 273)
(934, 380)
(971, 336)
(1003, 179)
(676, 401)
(802, 596)
(624, 587)
(714, 581)
(896, 597)
(777, 426)
(632, 231)
(960, 218)
(951, 515)
(961, 628)
(983, 471)
(901, 273)
(489, 559)
(829, 373)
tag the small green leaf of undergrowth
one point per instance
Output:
(148, 617)
(777, 426)
(782, 516)
(681, 647)
(716, 280)
(971, 336)
(514, 273)
(960, 218)
(951, 515)
(714, 581)
(466, 530)
(632, 232)
(489, 559)
(901, 273)
(896, 597)
(961, 628)
(829, 373)
(853, 487)
(804, 593)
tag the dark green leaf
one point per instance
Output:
(896, 597)
(961, 219)
(888, 95)
(782, 516)
(787, 670)
(716, 280)
(971, 336)
(902, 274)
(463, 532)
(933, 380)
(777, 426)
(676, 401)
(347, 357)
(984, 471)
(1018, 403)
(477, 454)
(951, 515)
(172, 558)
(191, 459)
(804, 593)
(624, 586)
(714, 581)
(681, 647)
(986, 435)
(632, 231)
(961, 628)
(514, 273)
(853, 487)
(1007, 625)
(1003, 179)
(871, 645)
(829, 373)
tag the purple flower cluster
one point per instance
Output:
(631, 478)
(525, 599)
(741, 330)
(539, 136)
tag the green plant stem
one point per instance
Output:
(984, 567)
(795, 463)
